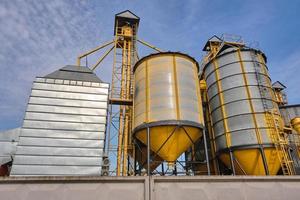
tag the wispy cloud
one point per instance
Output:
(37, 37)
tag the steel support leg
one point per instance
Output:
(264, 160)
(231, 161)
(206, 152)
(148, 151)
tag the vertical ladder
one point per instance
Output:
(277, 135)
(281, 144)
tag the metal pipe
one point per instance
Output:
(134, 157)
(206, 152)
(148, 151)
(92, 51)
(149, 45)
(102, 58)
(231, 161)
(264, 160)
(239, 165)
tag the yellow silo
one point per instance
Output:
(247, 126)
(167, 102)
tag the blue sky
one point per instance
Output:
(38, 37)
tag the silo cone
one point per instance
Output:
(240, 97)
(167, 101)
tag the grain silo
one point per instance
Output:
(64, 125)
(167, 104)
(247, 126)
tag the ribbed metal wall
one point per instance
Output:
(168, 100)
(64, 129)
(289, 112)
(236, 102)
(239, 92)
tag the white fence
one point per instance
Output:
(153, 188)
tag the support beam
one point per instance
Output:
(92, 51)
(206, 152)
(149, 45)
(102, 58)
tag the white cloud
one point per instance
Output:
(39, 36)
(36, 38)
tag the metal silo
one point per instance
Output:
(167, 104)
(247, 126)
(64, 126)
(291, 116)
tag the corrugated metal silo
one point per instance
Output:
(167, 101)
(239, 94)
(64, 126)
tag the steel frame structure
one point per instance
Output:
(151, 156)
(124, 48)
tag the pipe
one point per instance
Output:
(92, 51)
(102, 58)
(149, 45)
(296, 124)
(206, 152)
(148, 151)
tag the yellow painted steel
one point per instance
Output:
(208, 124)
(178, 143)
(161, 95)
(221, 98)
(296, 124)
(250, 160)
(247, 161)
(122, 89)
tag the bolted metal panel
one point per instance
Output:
(67, 110)
(64, 127)
(70, 102)
(236, 103)
(65, 169)
(162, 87)
(61, 134)
(61, 151)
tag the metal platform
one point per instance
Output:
(151, 188)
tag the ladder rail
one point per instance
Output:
(277, 136)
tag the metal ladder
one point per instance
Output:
(281, 144)
(277, 136)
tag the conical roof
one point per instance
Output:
(76, 73)
(125, 17)
(127, 14)
(278, 85)
(212, 39)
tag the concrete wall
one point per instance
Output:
(153, 188)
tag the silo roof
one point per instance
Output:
(76, 73)
(165, 53)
